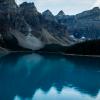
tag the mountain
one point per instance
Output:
(44, 26)
(49, 16)
(13, 23)
(23, 27)
(61, 13)
(85, 24)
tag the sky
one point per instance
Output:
(70, 7)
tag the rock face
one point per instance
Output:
(49, 16)
(85, 24)
(60, 15)
(44, 26)
(24, 27)
(11, 21)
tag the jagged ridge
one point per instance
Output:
(28, 23)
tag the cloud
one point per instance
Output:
(68, 6)
(97, 3)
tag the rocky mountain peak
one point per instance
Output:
(61, 13)
(28, 7)
(47, 13)
(96, 8)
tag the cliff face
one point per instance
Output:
(10, 22)
(44, 26)
(49, 16)
(24, 27)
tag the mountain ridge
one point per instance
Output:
(80, 25)
(26, 20)
(23, 27)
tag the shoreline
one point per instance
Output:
(5, 52)
(79, 55)
(65, 54)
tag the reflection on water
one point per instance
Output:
(49, 77)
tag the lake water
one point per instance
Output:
(49, 77)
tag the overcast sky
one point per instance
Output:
(68, 6)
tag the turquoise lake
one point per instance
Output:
(33, 76)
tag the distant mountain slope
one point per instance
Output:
(85, 24)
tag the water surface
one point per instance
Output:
(49, 77)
